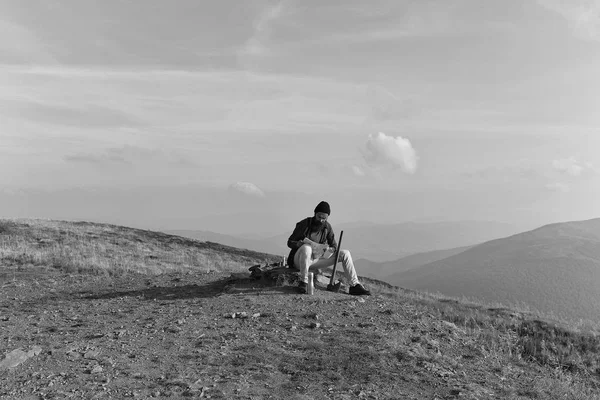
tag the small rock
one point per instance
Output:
(256, 315)
(361, 300)
(450, 325)
(96, 336)
(91, 354)
(242, 314)
(97, 369)
(315, 325)
(322, 279)
(73, 355)
(18, 356)
(196, 386)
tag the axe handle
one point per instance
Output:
(337, 253)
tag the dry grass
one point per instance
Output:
(569, 354)
(82, 247)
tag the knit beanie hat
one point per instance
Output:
(323, 207)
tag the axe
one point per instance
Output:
(335, 287)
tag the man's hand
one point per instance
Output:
(330, 250)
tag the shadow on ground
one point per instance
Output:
(190, 291)
(194, 291)
(258, 287)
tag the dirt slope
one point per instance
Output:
(173, 335)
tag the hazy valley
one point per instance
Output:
(377, 242)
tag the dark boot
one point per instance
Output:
(302, 287)
(358, 290)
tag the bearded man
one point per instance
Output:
(317, 229)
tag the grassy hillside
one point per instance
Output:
(260, 245)
(555, 269)
(111, 249)
(114, 312)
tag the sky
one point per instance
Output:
(240, 116)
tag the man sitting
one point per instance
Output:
(301, 256)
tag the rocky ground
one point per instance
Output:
(210, 336)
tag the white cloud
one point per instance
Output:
(257, 43)
(358, 171)
(247, 188)
(582, 15)
(382, 150)
(558, 187)
(571, 166)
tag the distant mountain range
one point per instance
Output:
(554, 269)
(376, 242)
(390, 242)
(383, 270)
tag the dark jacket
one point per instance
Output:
(302, 230)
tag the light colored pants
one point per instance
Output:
(304, 261)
